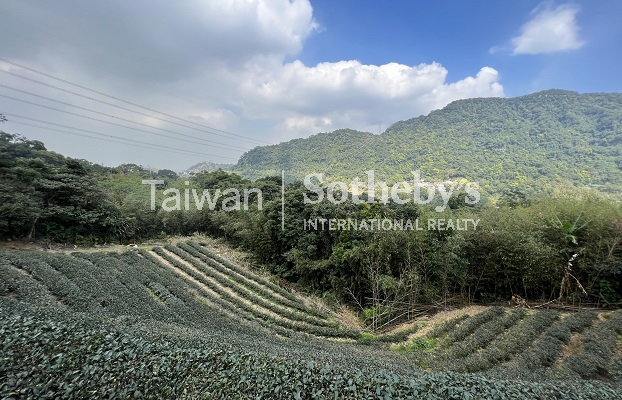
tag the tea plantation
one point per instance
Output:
(181, 321)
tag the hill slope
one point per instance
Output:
(174, 284)
(523, 142)
(183, 322)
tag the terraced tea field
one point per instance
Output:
(180, 321)
(523, 343)
(186, 283)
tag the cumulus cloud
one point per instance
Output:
(355, 95)
(226, 64)
(157, 40)
(550, 30)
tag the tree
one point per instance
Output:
(167, 174)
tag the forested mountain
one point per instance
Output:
(526, 142)
(335, 153)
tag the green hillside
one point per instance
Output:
(181, 321)
(526, 142)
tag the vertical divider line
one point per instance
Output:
(283, 200)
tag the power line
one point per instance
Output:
(105, 134)
(127, 102)
(98, 138)
(123, 141)
(111, 104)
(120, 118)
(101, 120)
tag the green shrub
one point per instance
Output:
(545, 351)
(442, 329)
(468, 326)
(512, 342)
(599, 345)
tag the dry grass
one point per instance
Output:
(571, 348)
(348, 318)
(219, 247)
(437, 319)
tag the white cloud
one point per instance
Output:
(484, 84)
(550, 30)
(221, 63)
(301, 126)
(359, 96)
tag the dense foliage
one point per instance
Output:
(44, 194)
(522, 249)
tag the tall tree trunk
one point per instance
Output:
(31, 233)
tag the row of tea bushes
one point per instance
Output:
(253, 293)
(485, 334)
(444, 328)
(513, 341)
(60, 286)
(48, 359)
(243, 301)
(470, 325)
(546, 351)
(599, 345)
(219, 300)
(250, 275)
(258, 285)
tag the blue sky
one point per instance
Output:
(275, 70)
(460, 34)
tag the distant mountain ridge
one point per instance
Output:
(549, 137)
(205, 166)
